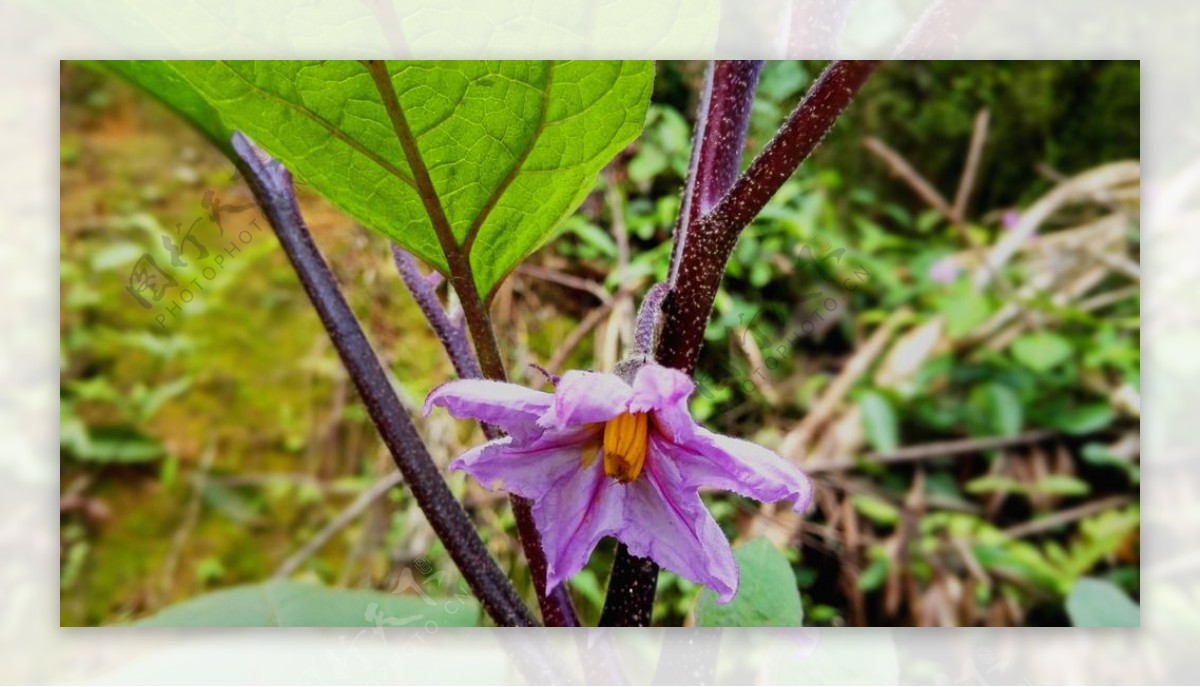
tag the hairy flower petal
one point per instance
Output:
(528, 470)
(511, 407)
(664, 391)
(665, 520)
(645, 489)
(745, 468)
(582, 397)
(573, 516)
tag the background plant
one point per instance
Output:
(966, 390)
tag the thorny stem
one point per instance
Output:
(556, 607)
(720, 136)
(272, 187)
(707, 244)
(715, 210)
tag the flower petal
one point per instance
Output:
(573, 516)
(665, 391)
(511, 407)
(582, 397)
(743, 467)
(666, 521)
(530, 469)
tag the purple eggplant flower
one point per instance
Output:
(602, 458)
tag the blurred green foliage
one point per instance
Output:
(843, 248)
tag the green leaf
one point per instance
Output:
(647, 164)
(1041, 352)
(877, 510)
(995, 409)
(767, 595)
(782, 79)
(1085, 420)
(965, 309)
(1062, 485)
(280, 603)
(874, 575)
(994, 483)
(1099, 603)
(110, 444)
(879, 421)
(511, 147)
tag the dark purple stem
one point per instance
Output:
(272, 186)
(709, 241)
(717, 145)
(453, 336)
(715, 210)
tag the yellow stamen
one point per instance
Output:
(625, 446)
(591, 449)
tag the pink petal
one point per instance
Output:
(528, 470)
(745, 468)
(1010, 219)
(666, 521)
(944, 271)
(582, 397)
(513, 408)
(664, 391)
(573, 516)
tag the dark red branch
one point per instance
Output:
(708, 244)
(712, 217)
(272, 186)
(717, 143)
(717, 146)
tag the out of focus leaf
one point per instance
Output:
(965, 309)
(782, 79)
(1062, 485)
(994, 483)
(1085, 419)
(767, 595)
(1041, 352)
(281, 603)
(877, 510)
(874, 575)
(995, 410)
(879, 421)
(1099, 603)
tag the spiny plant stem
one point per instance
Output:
(272, 187)
(717, 145)
(714, 212)
(709, 241)
(720, 136)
